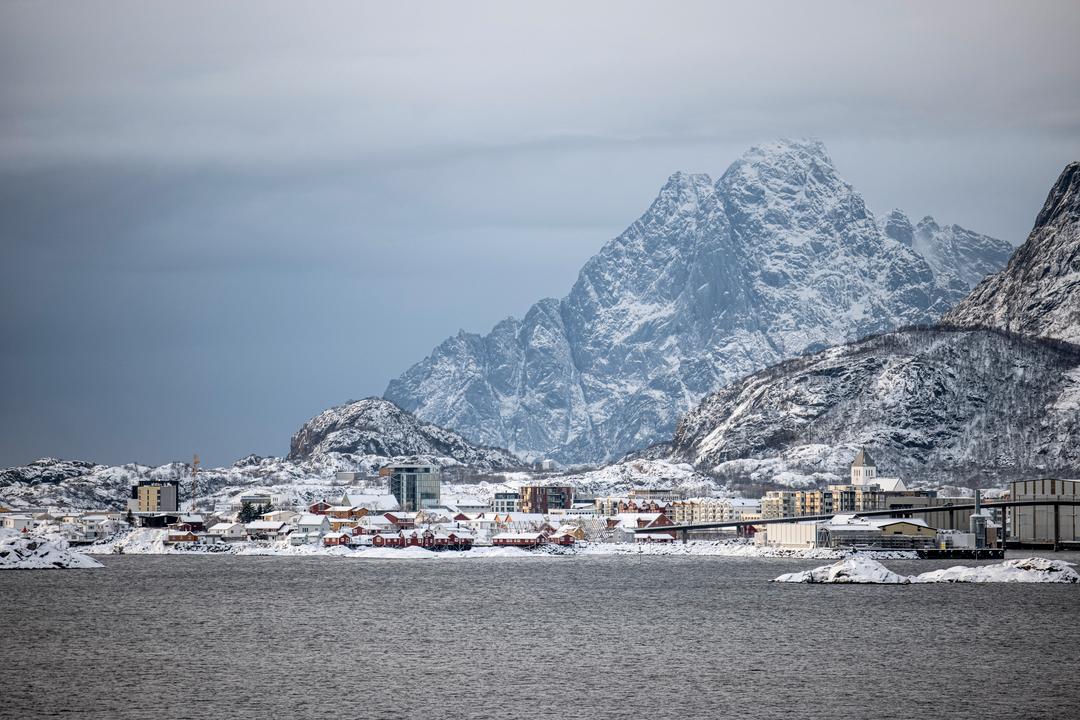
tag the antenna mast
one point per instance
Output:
(194, 481)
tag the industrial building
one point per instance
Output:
(1045, 525)
(846, 531)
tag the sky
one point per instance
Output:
(218, 219)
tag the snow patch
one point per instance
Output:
(865, 570)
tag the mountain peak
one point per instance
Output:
(712, 282)
(1064, 198)
(897, 225)
(789, 148)
(1038, 292)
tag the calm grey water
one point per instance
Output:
(664, 637)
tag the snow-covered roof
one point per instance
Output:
(465, 501)
(264, 525)
(518, 536)
(223, 527)
(890, 484)
(378, 502)
(312, 519)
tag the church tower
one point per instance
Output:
(863, 469)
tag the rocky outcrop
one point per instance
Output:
(940, 405)
(378, 427)
(1038, 292)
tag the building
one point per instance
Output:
(255, 500)
(540, 498)
(17, 522)
(845, 531)
(465, 503)
(1044, 525)
(863, 469)
(228, 531)
(778, 504)
(710, 510)
(415, 486)
(506, 502)
(155, 496)
(373, 502)
(519, 539)
(265, 530)
(623, 525)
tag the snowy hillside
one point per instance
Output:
(940, 405)
(359, 437)
(1038, 293)
(715, 280)
(378, 427)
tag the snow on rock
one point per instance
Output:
(1038, 292)
(1024, 570)
(359, 437)
(141, 541)
(854, 569)
(929, 403)
(379, 427)
(619, 478)
(30, 553)
(778, 257)
(862, 569)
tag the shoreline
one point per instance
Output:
(142, 543)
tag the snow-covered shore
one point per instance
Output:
(19, 552)
(860, 569)
(145, 541)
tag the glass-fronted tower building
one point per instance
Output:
(415, 486)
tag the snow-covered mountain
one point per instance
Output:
(959, 258)
(358, 437)
(942, 405)
(716, 280)
(379, 427)
(1038, 292)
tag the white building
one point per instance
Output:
(228, 531)
(863, 469)
(20, 523)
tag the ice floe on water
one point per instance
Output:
(866, 570)
(30, 553)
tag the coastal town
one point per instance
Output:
(408, 505)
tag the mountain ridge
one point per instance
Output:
(1038, 291)
(717, 279)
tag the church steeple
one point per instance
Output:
(863, 469)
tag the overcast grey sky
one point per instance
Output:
(218, 219)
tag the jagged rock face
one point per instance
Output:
(938, 405)
(715, 280)
(959, 258)
(377, 427)
(1038, 292)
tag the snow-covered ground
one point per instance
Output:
(19, 552)
(147, 541)
(866, 570)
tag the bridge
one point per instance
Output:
(898, 512)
